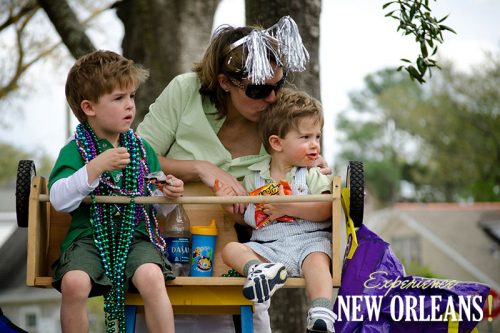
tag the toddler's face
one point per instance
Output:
(302, 145)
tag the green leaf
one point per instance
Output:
(425, 26)
(423, 49)
(445, 27)
(444, 18)
(413, 71)
(422, 66)
(412, 11)
(387, 4)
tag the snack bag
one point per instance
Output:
(158, 179)
(273, 188)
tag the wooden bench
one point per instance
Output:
(201, 295)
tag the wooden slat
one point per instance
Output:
(45, 281)
(336, 216)
(197, 199)
(37, 233)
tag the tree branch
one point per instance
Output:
(21, 64)
(67, 25)
(13, 18)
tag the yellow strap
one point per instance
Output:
(454, 324)
(350, 230)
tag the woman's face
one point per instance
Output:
(251, 108)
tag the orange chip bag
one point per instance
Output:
(273, 188)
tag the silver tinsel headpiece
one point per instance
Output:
(259, 43)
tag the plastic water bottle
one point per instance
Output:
(177, 235)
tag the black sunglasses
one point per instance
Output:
(259, 91)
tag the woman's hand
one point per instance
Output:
(323, 166)
(222, 190)
(209, 173)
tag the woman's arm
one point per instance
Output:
(204, 171)
(187, 170)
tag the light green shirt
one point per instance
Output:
(183, 125)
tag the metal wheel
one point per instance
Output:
(25, 172)
(355, 182)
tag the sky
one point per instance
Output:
(356, 39)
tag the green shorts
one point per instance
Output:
(83, 255)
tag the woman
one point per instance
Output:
(203, 125)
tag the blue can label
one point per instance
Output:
(178, 250)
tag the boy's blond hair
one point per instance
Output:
(284, 115)
(99, 73)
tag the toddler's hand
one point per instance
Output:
(173, 188)
(276, 210)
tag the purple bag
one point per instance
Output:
(376, 296)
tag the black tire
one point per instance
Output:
(25, 172)
(355, 182)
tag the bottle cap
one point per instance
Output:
(210, 229)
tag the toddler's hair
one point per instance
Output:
(284, 115)
(99, 73)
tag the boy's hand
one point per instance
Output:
(173, 188)
(110, 160)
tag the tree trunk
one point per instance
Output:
(166, 37)
(306, 14)
(68, 27)
(289, 306)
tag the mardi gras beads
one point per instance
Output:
(113, 234)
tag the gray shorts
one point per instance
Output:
(83, 255)
(291, 251)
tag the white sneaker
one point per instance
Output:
(263, 280)
(320, 319)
